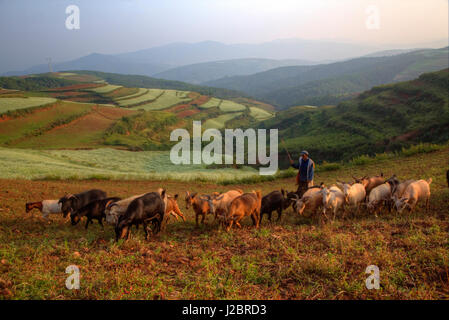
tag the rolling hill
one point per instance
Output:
(85, 110)
(331, 83)
(385, 118)
(209, 71)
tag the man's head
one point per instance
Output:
(304, 155)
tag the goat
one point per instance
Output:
(274, 201)
(378, 197)
(369, 183)
(334, 199)
(309, 202)
(293, 197)
(354, 195)
(93, 210)
(200, 206)
(415, 192)
(72, 202)
(148, 208)
(45, 206)
(220, 202)
(115, 209)
(247, 204)
(172, 208)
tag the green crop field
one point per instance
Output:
(10, 104)
(105, 89)
(150, 95)
(220, 121)
(259, 114)
(122, 92)
(140, 91)
(107, 164)
(168, 99)
(212, 103)
(231, 106)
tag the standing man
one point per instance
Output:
(306, 167)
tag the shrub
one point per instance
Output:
(420, 148)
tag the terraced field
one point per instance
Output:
(220, 121)
(122, 92)
(168, 99)
(149, 95)
(42, 119)
(212, 103)
(259, 114)
(83, 132)
(231, 106)
(138, 92)
(105, 89)
(10, 104)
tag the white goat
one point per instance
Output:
(378, 197)
(354, 195)
(333, 199)
(45, 206)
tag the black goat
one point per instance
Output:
(274, 201)
(93, 210)
(148, 208)
(73, 202)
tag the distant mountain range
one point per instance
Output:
(331, 83)
(158, 59)
(209, 71)
(97, 62)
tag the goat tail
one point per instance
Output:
(429, 181)
(259, 194)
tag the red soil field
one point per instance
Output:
(188, 113)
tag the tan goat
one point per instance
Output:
(247, 204)
(415, 192)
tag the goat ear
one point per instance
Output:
(176, 196)
(194, 194)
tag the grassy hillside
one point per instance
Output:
(332, 83)
(382, 119)
(293, 259)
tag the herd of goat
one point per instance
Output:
(153, 209)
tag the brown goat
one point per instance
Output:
(172, 208)
(248, 204)
(370, 182)
(200, 206)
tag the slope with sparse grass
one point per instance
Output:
(295, 258)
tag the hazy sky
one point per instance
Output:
(33, 30)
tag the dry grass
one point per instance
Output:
(293, 259)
